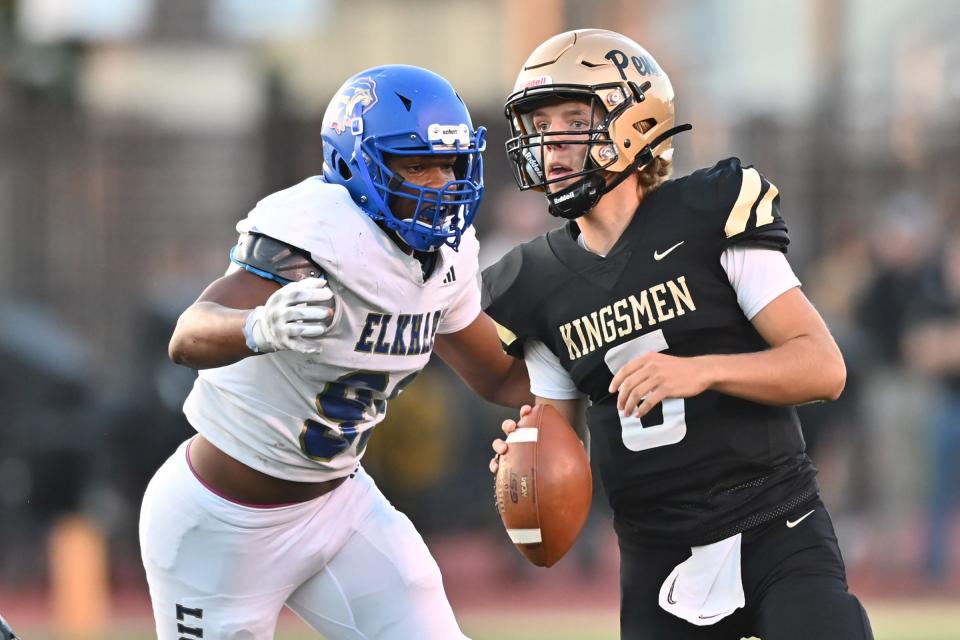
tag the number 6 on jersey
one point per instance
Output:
(636, 436)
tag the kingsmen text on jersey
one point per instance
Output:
(308, 417)
(698, 469)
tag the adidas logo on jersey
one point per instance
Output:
(450, 277)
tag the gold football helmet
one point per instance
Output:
(632, 121)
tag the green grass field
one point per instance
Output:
(892, 620)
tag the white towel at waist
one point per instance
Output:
(707, 586)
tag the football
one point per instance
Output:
(543, 486)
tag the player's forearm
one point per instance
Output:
(504, 384)
(803, 369)
(512, 389)
(474, 353)
(209, 335)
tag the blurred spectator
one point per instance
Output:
(835, 433)
(895, 401)
(932, 345)
(900, 244)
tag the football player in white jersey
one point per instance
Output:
(339, 289)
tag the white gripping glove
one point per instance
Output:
(292, 318)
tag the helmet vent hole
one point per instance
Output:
(343, 169)
(407, 102)
(645, 125)
(591, 65)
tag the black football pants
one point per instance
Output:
(794, 583)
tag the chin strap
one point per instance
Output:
(579, 198)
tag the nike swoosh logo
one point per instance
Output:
(670, 594)
(792, 523)
(660, 256)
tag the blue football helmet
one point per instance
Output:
(404, 110)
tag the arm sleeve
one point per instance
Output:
(757, 275)
(548, 378)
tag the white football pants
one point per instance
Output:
(348, 563)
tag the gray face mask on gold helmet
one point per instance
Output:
(632, 115)
(579, 198)
(526, 151)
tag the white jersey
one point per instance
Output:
(308, 417)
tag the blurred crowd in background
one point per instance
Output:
(135, 133)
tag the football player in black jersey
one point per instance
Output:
(670, 306)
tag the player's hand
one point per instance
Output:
(499, 445)
(292, 318)
(646, 380)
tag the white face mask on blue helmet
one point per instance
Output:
(402, 110)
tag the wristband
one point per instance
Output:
(248, 328)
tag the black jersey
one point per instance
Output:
(696, 469)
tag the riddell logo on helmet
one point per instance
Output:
(533, 163)
(354, 101)
(564, 197)
(537, 82)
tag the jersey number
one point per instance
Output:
(353, 398)
(672, 426)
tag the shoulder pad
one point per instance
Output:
(741, 201)
(272, 259)
(311, 216)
